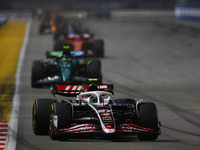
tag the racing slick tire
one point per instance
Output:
(99, 48)
(38, 72)
(40, 115)
(41, 29)
(57, 45)
(57, 34)
(147, 118)
(64, 113)
(94, 69)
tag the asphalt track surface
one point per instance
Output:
(152, 58)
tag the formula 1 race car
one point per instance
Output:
(71, 36)
(93, 111)
(50, 23)
(67, 68)
(81, 42)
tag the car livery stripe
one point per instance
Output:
(70, 88)
(106, 130)
(102, 86)
(67, 88)
(79, 88)
(76, 89)
(133, 128)
(82, 128)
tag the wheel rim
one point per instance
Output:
(51, 128)
(34, 117)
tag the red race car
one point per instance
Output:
(81, 42)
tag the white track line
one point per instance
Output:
(14, 115)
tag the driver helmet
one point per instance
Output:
(93, 99)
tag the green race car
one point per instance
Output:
(67, 67)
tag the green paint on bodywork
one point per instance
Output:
(56, 53)
(66, 47)
(90, 79)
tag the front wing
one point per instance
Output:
(92, 128)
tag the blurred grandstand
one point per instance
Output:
(184, 9)
(87, 4)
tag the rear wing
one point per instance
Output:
(73, 90)
(52, 54)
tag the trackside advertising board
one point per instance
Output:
(187, 12)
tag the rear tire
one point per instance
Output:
(148, 118)
(99, 48)
(57, 34)
(40, 115)
(64, 113)
(41, 29)
(94, 69)
(38, 72)
(57, 45)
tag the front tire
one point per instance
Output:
(148, 118)
(64, 113)
(40, 115)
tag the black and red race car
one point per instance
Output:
(93, 111)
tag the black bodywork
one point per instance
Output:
(119, 116)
